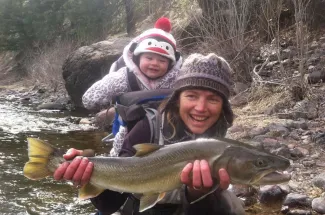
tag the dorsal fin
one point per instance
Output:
(145, 149)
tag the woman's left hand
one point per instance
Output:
(201, 181)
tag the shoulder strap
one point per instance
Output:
(154, 123)
(133, 83)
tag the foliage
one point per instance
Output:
(34, 23)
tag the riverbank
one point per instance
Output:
(295, 135)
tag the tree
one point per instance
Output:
(130, 22)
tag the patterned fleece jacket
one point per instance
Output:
(99, 96)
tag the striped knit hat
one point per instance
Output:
(211, 71)
(158, 40)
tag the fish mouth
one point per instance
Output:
(271, 177)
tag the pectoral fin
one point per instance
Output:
(149, 200)
(89, 191)
(213, 188)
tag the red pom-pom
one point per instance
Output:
(163, 23)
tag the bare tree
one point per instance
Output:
(130, 21)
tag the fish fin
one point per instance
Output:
(38, 153)
(149, 200)
(89, 191)
(213, 188)
(145, 148)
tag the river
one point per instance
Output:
(19, 195)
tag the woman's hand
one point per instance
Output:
(201, 181)
(78, 170)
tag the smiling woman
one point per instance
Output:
(197, 108)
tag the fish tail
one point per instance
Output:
(39, 153)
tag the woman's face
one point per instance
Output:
(199, 109)
(153, 65)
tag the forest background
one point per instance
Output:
(40, 34)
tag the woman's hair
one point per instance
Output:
(171, 110)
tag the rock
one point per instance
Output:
(271, 194)
(41, 90)
(312, 60)
(240, 87)
(319, 138)
(318, 205)
(311, 68)
(299, 114)
(314, 45)
(85, 121)
(300, 124)
(89, 64)
(236, 128)
(309, 107)
(285, 115)
(51, 106)
(309, 163)
(303, 151)
(285, 209)
(282, 151)
(319, 181)
(269, 144)
(25, 100)
(75, 120)
(315, 156)
(296, 200)
(278, 130)
(320, 163)
(294, 135)
(243, 190)
(240, 99)
(293, 185)
(271, 64)
(256, 131)
(316, 76)
(296, 154)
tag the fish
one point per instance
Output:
(155, 170)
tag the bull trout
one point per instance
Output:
(155, 169)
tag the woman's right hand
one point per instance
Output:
(78, 170)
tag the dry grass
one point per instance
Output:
(44, 66)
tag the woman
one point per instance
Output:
(197, 108)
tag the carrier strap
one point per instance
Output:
(133, 83)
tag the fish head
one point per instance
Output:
(248, 165)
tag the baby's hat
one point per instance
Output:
(157, 40)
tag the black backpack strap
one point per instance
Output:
(133, 83)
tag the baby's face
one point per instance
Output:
(153, 65)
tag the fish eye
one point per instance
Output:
(260, 162)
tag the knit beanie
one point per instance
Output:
(157, 40)
(210, 72)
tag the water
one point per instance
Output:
(19, 195)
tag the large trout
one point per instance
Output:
(155, 169)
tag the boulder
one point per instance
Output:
(89, 64)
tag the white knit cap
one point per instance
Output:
(158, 40)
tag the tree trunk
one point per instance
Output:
(130, 22)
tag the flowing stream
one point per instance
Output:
(19, 195)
